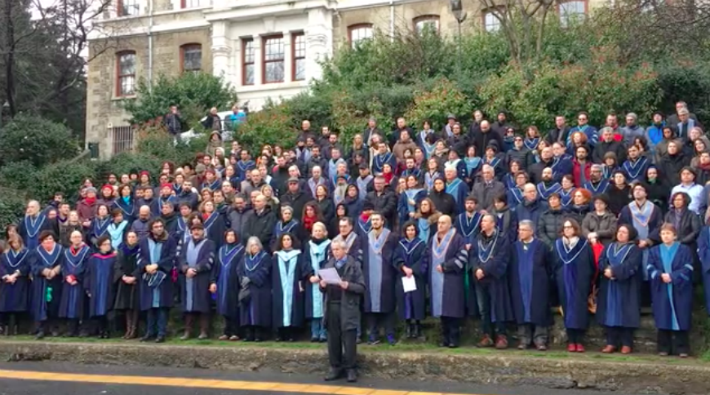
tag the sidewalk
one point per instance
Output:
(627, 374)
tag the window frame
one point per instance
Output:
(358, 26)
(120, 77)
(184, 49)
(498, 22)
(564, 21)
(183, 4)
(265, 62)
(294, 55)
(245, 43)
(427, 18)
(121, 7)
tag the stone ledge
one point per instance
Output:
(670, 376)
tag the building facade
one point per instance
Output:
(266, 49)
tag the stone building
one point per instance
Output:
(266, 49)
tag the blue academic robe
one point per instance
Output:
(447, 289)
(459, 190)
(98, 228)
(618, 300)
(493, 257)
(289, 275)
(468, 227)
(460, 166)
(379, 161)
(561, 166)
(224, 274)
(256, 310)
(315, 255)
(45, 293)
(127, 208)
(574, 272)
(379, 271)
(530, 211)
(405, 206)
(98, 283)
(30, 228)
(157, 291)
(544, 191)
(515, 197)
(242, 168)
(530, 275)
(673, 302)
(71, 304)
(215, 226)
(635, 171)
(14, 297)
(195, 295)
(566, 197)
(704, 255)
(598, 188)
(412, 254)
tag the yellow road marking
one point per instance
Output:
(203, 383)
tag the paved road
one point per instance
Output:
(45, 378)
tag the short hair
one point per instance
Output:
(322, 226)
(633, 234)
(669, 227)
(574, 224)
(253, 241)
(585, 192)
(346, 220)
(103, 239)
(683, 111)
(528, 223)
(471, 198)
(377, 213)
(338, 244)
(47, 234)
(116, 212)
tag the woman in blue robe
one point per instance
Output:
(514, 194)
(72, 305)
(704, 255)
(618, 303)
(509, 179)
(426, 218)
(126, 277)
(195, 265)
(214, 225)
(125, 203)
(46, 264)
(574, 271)
(410, 199)
(14, 284)
(156, 260)
(529, 275)
(315, 254)
(255, 293)
(473, 165)
(567, 190)
(99, 225)
(431, 174)
(447, 258)
(286, 224)
(99, 286)
(289, 275)
(225, 284)
(410, 260)
(670, 272)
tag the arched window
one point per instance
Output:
(359, 33)
(191, 58)
(572, 12)
(491, 23)
(125, 73)
(426, 22)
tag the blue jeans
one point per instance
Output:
(157, 322)
(317, 329)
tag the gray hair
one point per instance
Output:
(632, 115)
(254, 241)
(683, 111)
(287, 208)
(528, 223)
(596, 167)
(606, 129)
(337, 243)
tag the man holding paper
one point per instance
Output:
(342, 312)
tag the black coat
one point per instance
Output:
(350, 298)
(602, 148)
(385, 203)
(535, 171)
(482, 140)
(549, 226)
(261, 226)
(671, 166)
(126, 265)
(443, 202)
(618, 198)
(296, 200)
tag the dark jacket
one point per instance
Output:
(603, 225)
(485, 193)
(618, 198)
(549, 226)
(238, 221)
(296, 200)
(443, 202)
(261, 226)
(535, 171)
(350, 299)
(671, 165)
(524, 156)
(481, 140)
(384, 203)
(602, 148)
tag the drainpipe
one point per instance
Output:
(150, 44)
(391, 20)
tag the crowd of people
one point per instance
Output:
(477, 221)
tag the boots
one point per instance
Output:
(188, 326)
(131, 324)
(417, 331)
(409, 332)
(204, 326)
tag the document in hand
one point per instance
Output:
(329, 275)
(409, 284)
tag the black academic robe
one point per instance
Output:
(704, 255)
(379, 271)
(530, 275)
(574, 273)
(14, 297)
(224, 275)
(672, 302)
(255, 310)
(412, 254)
(492, 255)
(45, 293)
(196, 297)
(289, 276)
(447, 289)
(30, 228)
(315, 256)
(127, 297)
(154, 292)
(214, 230)
(98, 283)
(618, 300)
(71, 303)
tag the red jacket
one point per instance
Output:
(577, 172)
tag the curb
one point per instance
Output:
(505, 368)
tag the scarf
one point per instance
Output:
(308, 222)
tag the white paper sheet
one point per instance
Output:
(329, 275)
(409, 284)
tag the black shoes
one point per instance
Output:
(334, 374)
(351, 375)
(160, 339)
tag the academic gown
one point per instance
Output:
(412, 254)
(289, 275)
(405, 206)
(618, 300)
(224, 274)
(214, 230)
(704, 255)
(98, 228)
(98, 282)
(379, 271)
(468, 227)
(128, 209)
(29, 229)
(635, 171)
(315, 255)
(291, 227)
(256, 310)
(379, 161)
(459, 190)
(574, 272)
(14, 297)
(195, 294)
(493, 258)
(127, 297)
(72, 303)
(447, 288)
(673, 302)
(529, 276)
(156, 291)
(46, 294)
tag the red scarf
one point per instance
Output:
(205, 216)
(308, 222)
(388, 177)
(90, 201)
(364, 217)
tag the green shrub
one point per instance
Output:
(36, 140)
(270, 126)
(436, 103)
(12, 207)
(65, 177)
(15, 174)
(126, 162)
